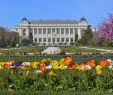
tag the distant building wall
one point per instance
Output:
(52, 32)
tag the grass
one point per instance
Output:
(31, 59)
(55, 93)
(70, 49)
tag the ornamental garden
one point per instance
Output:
(67, 68)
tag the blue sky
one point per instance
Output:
(11, 11)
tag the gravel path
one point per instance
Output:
(104, 50)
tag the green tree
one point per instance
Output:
(76, 39)
(8, 38)
(2, 43)
(31, 37)
(88, 35)
(26, 42)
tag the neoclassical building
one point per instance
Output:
(52, 32)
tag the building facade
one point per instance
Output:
(52, 32)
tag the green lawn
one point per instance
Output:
(55, 93)
(70, 49)
(29, 49)
(57, 57)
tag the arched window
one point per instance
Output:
(24, 32)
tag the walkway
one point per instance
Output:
(104, 50)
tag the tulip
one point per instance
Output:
(98, 67)
(68, 60)
(98, 72)
(72, 66)
(91, 63)
(27, 73)
(51, 73)
(42, 67)
(104, 63)
(6, 65)
(87, 67)
(82, 67)
(26, 63)
(49, 67)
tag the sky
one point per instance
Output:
(12, 11)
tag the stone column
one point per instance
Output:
(21, 32)
(46, 37)
(79, 34)
(33, 34)
(56, 36)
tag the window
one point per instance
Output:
(24, 32)
(62, 31)
(49, 31)
(35, 31)
(53, 39)
(31, 30)
(44, 31)
(40, 39)
(49, 39)
(58, 31)
(67, 31)
(35, 39)
(67, 39)
(62, 39)
(53, 30)
(71, 39)
(44, 39)
(75, 30)
(40, 31)
(58, 39)
(71, 31)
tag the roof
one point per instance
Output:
(83, 19)
(54, 21)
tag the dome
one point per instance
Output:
(24, 19)
(83, 19)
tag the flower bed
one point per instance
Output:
(49, 74)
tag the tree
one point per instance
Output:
(8, 38)
(2, 43)
(31, 37)
(88, 35)
(2, 37)
(105, 35)
(76, 39)
(26, 42)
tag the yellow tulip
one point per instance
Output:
(51, 73)
(98, 72)
(55, 66)
(61, 60)
(77, 67)
(34, 64)
(2, 63)
(61, 66)
(27, 73)
(43, 60)
(98, 67)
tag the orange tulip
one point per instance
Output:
(91, 63)
(6, 65)
(68, 60)
(42, 67)
(104, 63)
(82, 67)
(72, 66)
